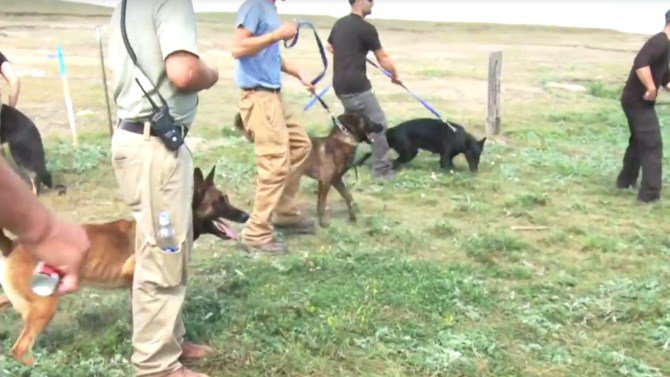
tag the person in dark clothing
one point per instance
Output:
(350, 40)
(645, 146)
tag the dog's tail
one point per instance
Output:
(6, 245)
(238, 122)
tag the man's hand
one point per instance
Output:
(286, 31)
(63, 246)
(396, 80)
(308, 85)
(650, 94)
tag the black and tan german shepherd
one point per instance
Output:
(110, 262)
(26, 148)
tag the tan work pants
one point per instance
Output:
(153, 179)
(281, 147)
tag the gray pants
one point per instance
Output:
(366, 103)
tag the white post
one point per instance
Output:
(68, 99)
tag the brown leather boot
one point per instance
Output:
(192, 351)
(185, 372)
(306, 225)
(272, 247)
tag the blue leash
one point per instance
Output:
(424, 103)
(316, 97)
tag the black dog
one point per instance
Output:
(435, 136)
(25, 144)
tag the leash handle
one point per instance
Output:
(322, 51)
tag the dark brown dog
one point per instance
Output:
(109, 264)
(332, 156)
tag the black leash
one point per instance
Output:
(322, 51)
(291, 43)
(324, 59)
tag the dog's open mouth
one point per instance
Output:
(224, 229)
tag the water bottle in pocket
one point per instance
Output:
(165, 237)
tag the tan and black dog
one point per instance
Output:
(332, 156)
(110, 262)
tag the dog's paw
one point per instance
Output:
(61, 189)
(20, 356)
(324, 223)
(28, 361)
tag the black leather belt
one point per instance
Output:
(135, 127)
(138, 127)
(263, 89)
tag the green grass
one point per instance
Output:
(432, 280)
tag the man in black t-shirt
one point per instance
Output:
(8, 73)
(645, 146)
(350, 40)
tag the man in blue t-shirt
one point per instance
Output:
(281, 145)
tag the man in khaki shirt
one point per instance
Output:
(153, 179)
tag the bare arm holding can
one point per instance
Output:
(47, 237)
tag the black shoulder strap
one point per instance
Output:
(133, 57)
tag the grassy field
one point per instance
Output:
(433, 280)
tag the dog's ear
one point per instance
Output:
(197, 177)
(210, 177)
(481, 143)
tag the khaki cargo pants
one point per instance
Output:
(153, 179)
(281, 148)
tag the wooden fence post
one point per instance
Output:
(493, 119)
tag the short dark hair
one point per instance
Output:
(351, 2)
(667, 16)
